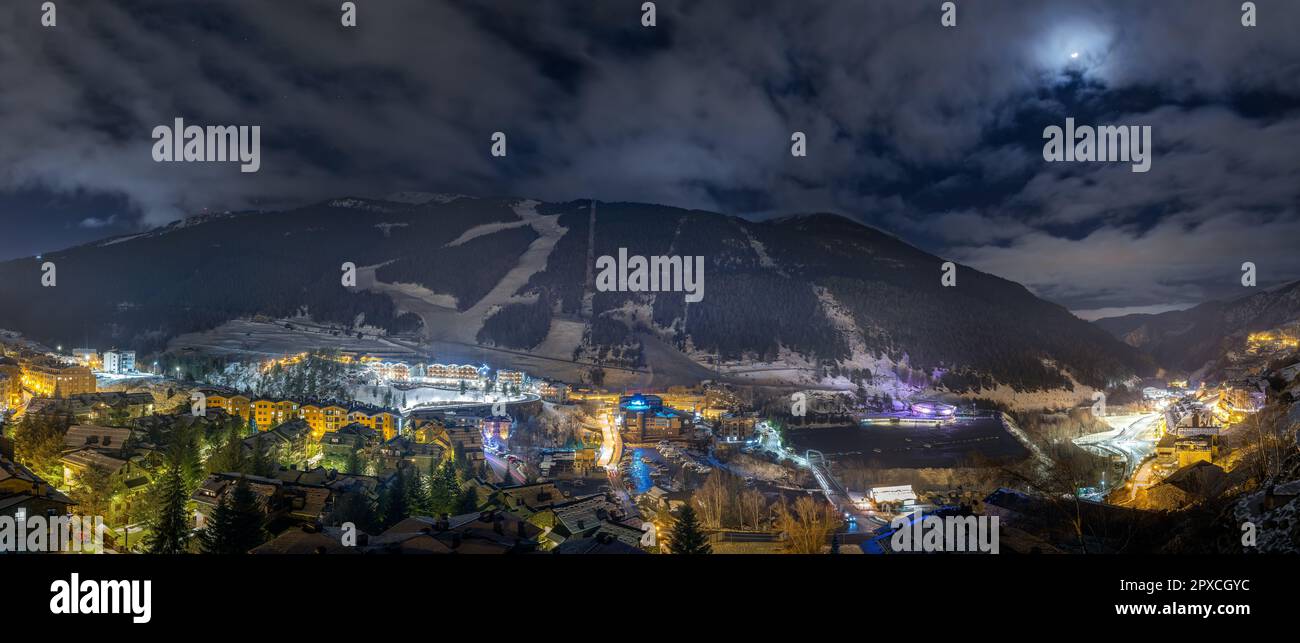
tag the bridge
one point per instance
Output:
(835, 492)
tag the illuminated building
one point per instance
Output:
(1241, 397)
(514, 378)
(11, 385)
(385, 422)
(87, 357)
(455, 371)
(1180, 451)
(645, 418)
(497, 428)
(553, 391)
(45, 380)
(931, 408)
(119, 361)
(23, 493)
(270, 413)
(95, 407)
(735, 427)
(234, 403)
(323, 417)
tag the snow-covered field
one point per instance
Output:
(427, 396)
(272, 339)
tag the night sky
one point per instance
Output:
(932, 134)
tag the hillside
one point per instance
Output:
(1187, 339)
(817, 293)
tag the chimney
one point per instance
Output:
(455, 540)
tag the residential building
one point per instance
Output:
(87, 357)
(455, 371)
(116, 361)
(496, 428)
(514, 378)
(270, 413)
(232, 403)
(112, 441)
(56, 380)
(557, 392)
(645, 418)
(23, 493)
(11, 384)
(287, 443)
(324, 416)
(736, 427)
(90, 408)
(216, 486)
(486, 532)
(339, 448)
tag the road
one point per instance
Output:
(831, 488)
(501, 466)
(611, 452)
(1133, 438)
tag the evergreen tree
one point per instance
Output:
(169, 524)
(229, 457)
(392, 501)
(355, 508)
(417, 494)
(38, 444)
(467, 502)
(687, 537)
(236, 524)
(191, 463)
(444, 489)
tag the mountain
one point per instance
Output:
(1187, 339)
(817, 292)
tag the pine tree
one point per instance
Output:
(687, 537)
(443, 489)
(417, 494)
(467, 503)
(236, 524)
(169, 526)
(392, 501)
(229, 457)
(191, 462)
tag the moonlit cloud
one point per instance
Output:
(931, 133)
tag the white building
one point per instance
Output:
(119, 361)
(898, 493)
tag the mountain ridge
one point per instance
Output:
(840, 298)
(1187, 340)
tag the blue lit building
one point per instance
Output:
(645, 418)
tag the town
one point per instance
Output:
(341, 452)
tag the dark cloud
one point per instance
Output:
(932, 133)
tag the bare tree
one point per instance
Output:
(807, 526)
